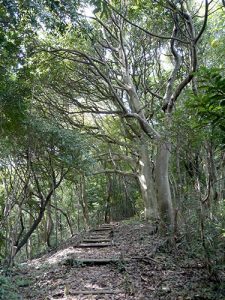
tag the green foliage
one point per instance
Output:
(15, 90)
(23, 282)
(7, 289)
(67, 146)
(215, 41)
(209, 105)
(100, 7)
(48, 86)
(207, 243)
(121, 266)
(2, 243)
(52, 14)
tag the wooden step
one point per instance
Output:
(91, 245)
(101, 229)
(92, 261)
(101, 234)
(106, 226)
(97, 238)
(94, 240)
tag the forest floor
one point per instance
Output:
(136, 264)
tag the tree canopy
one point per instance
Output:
(110, 110)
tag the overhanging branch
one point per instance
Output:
(114, 171)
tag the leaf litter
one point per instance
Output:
(145, 268)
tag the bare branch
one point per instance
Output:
(148, 129)
(143, 29)
(114, 171)
(204, 23)
(177, 58)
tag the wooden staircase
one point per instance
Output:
(95, 239)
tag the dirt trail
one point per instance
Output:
(114, 262)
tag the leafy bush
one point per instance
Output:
(8, 289)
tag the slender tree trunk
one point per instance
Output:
(211, 173)
(39, 218)
(163, 186)
(61, 228)
(30, 242)
(222, 181)
(130, 208)
(56, 219)
(107, 203)
(66, 217)
(84, 202)
(180, 179)
(145, 178)
(49, 225)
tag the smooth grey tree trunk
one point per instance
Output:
(84, 201)
(163, 187)
(146, 181)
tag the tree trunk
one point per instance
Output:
(66, 217)
(163, 187)
(107, 216)
(30, 242)
(56, 220)
(39, 218)
(49, 225)
(145, 178)
(213, 195)
(84, 202)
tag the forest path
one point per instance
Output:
(133, 264)
(93, 265)
(87, 269)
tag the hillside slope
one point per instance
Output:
(117, 262)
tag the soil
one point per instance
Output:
(138, 265)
